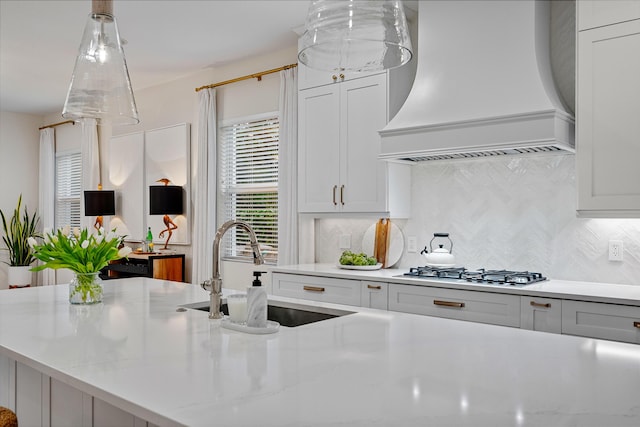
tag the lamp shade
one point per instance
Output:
(98, 203)
(100, 86)
(355, 36)
(165, 200)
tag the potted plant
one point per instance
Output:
(17, 231)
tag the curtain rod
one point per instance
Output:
(57, 124)
(250, 76)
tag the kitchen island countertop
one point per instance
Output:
(137, 352)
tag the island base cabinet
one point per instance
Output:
(541, 314)
(482, 307)
(40, 400)
(605, 321)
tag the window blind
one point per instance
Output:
(249, 184)
(68, 189)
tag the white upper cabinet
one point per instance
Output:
(608, 114)
(308, 77)
(339, 144)
(597, 13)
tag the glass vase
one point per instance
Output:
(85, 288)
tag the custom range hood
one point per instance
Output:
(484, 84)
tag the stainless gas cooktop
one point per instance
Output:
(481, 276)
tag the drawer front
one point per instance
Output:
(324, 289)
(606, 321)
(483, 307)
(375, 295)
(541, 314)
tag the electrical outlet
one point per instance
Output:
(412, 244)
(615, 250)
(345, 241)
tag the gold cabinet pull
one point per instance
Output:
(335, 187)
(342, 194)
(341, 76)
(334, 77)
(374, 286)
(313, 288)
(538, 304)
(636, 325)
(448, 303)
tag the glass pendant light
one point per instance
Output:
(355, 35)
(100, 87)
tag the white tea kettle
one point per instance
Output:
(439, 257)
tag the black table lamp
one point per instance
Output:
(166, 200)
(99, 203)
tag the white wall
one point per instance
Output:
(19, 141)
(508, 212)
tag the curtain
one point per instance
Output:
(205, 188)
(288, 169)
(90, 150)
(47, 193)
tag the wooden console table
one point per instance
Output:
(158, 266)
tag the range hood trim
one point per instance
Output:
(549, 128)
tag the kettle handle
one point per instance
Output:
(435, 235)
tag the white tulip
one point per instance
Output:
(99, 239)
(66, 230)
(85, 244)
(76, 231)
(124, 251)
(111, 236)
(32, 242)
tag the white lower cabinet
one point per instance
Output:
(598, 320)
(541, 314)
(374, 295)
(42, 401)
(323, 289)
(483, 307)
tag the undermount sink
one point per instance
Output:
(286, 314)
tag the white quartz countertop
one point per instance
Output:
(372, 367)
(552, 288)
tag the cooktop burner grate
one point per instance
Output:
(504, 277)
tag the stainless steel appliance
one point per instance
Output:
(481, 276)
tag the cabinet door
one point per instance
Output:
(375, 295)
(482, 307)
(308, 77)
(363, 112)
(608, 132)
(315, 288)
(541, 314)
(318, 149)
(28, 396)
(596, 13)
(606, 321)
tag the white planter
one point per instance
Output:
(19, 275)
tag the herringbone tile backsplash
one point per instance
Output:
(508, 212)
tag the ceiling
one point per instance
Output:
(165, 40)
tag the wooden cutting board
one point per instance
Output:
(381, 240)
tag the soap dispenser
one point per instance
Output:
(257, 303)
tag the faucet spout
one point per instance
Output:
(214, 285)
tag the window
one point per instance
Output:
(68, 189)
(249, 184)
